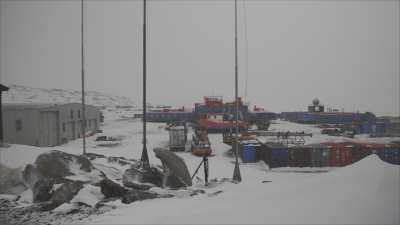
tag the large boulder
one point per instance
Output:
(111, 189)
(56, 164)
(30, 175)
(65, 193)
(11, 181)
(177, 173)
(41, 190)
(141, 178)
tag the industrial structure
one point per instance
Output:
(210, 105)
(47, 125)
(317, 115)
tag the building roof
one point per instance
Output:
(3, 88)
(25, 106)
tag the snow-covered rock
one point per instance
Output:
(11, 181)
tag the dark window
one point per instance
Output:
(90, 124)
(71, 114)
(79, 113)
(63, 127)
(18, 125)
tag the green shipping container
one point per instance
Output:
(320, 156)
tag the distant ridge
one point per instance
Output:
(24, 94)
(112, 106)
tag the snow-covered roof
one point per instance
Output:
(24, 106)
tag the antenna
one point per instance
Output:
(83, 123)
(145, 156)
(246, 50)
(236, 173)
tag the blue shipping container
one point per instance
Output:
(249, 154)
(279, 157)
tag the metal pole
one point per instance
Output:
(236, 173)
(1, 120)
(83, 124)
(145, 157)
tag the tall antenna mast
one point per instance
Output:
(83, 123)
(236, 173)
(145, 156)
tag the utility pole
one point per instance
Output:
(236, 173)
(145, 156)
(83, 127)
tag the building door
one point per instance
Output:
(50, 132)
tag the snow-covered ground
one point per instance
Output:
(364, 193)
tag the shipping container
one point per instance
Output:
(360, 152)
(395, 154)
(340, 153)
(389, 153)
(276, 155)
(299, 156)
(320, 156)
(248, 153)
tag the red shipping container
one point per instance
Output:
(340, 153)
(360, 151)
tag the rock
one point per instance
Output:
(92, 156)
(30, 175)
(11, 181)
(56, 164)
(174, 167)
(85, 163)
(174, 182)
(63, 194)
(111, 189)
(42, 190)
(137, 195)
(141, 178)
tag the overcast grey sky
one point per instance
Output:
(344, 52)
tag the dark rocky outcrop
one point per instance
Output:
(111, 189)
(42, 190)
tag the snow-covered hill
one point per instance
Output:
(112, 106)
